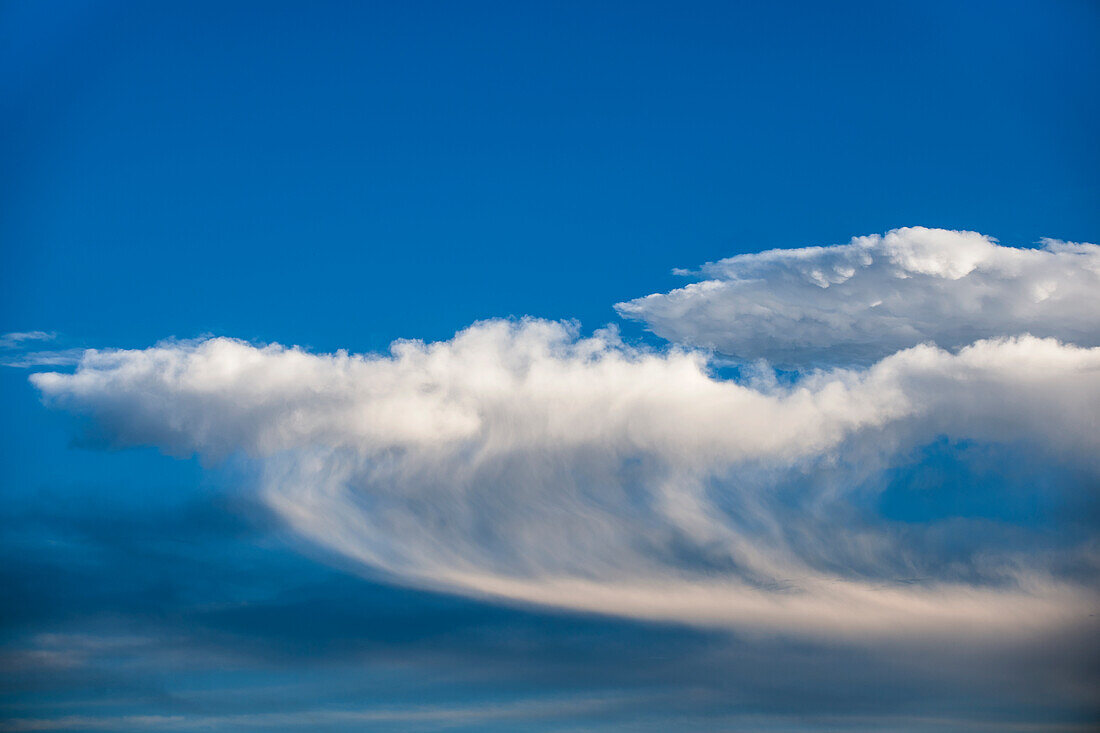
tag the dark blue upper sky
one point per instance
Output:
(342, 174)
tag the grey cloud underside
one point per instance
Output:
(859, 302)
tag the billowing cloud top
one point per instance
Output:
(524, 462)
(858, 302)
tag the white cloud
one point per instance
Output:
(519, 461)
(53, 357)
(17, 343)
(859, 302)
(16, 339)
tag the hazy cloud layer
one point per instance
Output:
(520, 461)
(859, 302)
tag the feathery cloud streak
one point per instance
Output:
(522, 462)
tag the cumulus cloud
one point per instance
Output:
(861, 301)
(523, 462)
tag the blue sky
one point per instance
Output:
(342, 175)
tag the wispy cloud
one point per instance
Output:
(29, 359)
(23, 350)
(422, 717)
(17, 339)
(522, 462)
